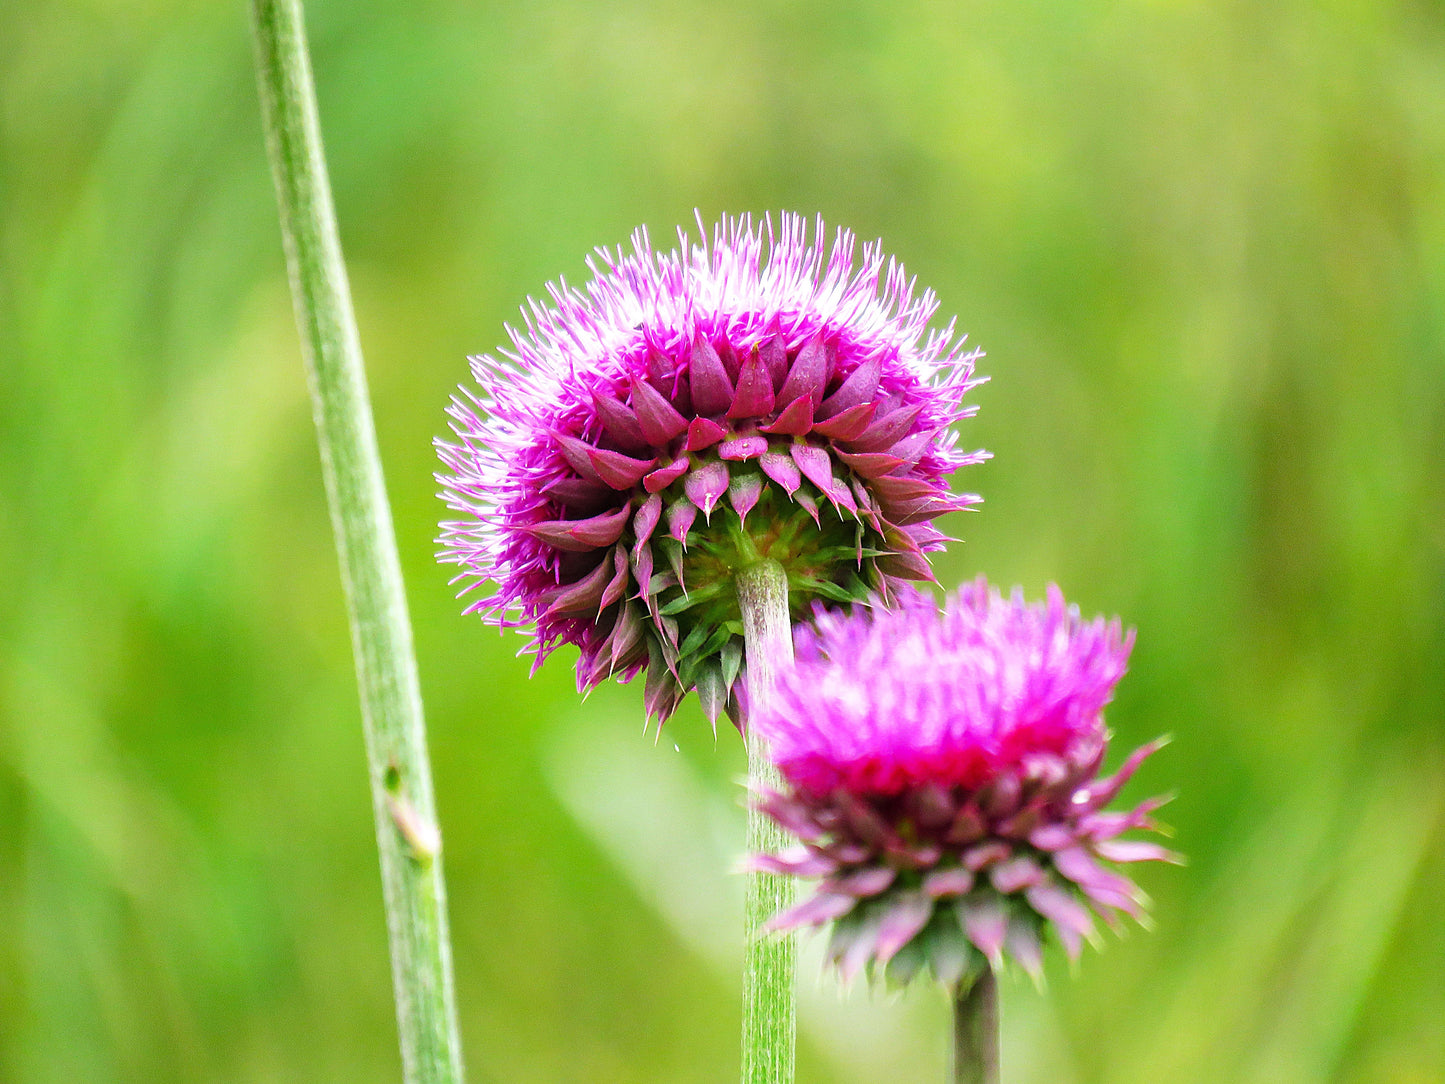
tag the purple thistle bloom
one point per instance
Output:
(942, 775)
(689, 413)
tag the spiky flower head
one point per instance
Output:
(688, 413)
(941, 771)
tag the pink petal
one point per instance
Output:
(680, 519)
(821, 908)
(1070, 917)
(865, 882)
(743, 494)
(816, 465)
(1129, 850)
(706, 485)
(1018, 872)
(945, 883)
(907, 914)
(986, 923)
(781, 469)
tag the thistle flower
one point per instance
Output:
(942, 774)
(685, 415)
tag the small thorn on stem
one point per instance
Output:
(421, 835)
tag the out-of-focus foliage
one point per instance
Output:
(1204, 245)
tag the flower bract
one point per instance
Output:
(765, 396)
(942, 774)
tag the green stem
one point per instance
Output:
(405, 812)
(769, 1002)
(975, 1031)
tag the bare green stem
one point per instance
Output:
(769, 1001)
(975, 1031)
(401, 786)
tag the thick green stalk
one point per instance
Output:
(975, 1031)
(769, 1001)
(405, 812)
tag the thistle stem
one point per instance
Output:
(404, 809)
(769, 1003)
(975, 1031)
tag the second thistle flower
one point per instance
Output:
(941, 773)
(691, 413)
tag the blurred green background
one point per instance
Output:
(1204, 247)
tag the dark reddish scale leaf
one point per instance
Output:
(808, 375)
(906, 566)
(712, 391)
(967, 827)
(903, 489)
(578, 494)
(927, 536)
(575, 451)
(912, 446)
(869, 464)
(796, 419)
(808, 504)
(886, 430)
(645, 520)
(578, 535)
(663, 477)
(583, 596)
(931, 806)
(1001, 797)
(743, 448)
(847, 425)
(658, 419)
(858, 389)
(626, 637)
(754, 397)
(731, 362)
(642, 569)
(661, 371)
(865, 823)
(619, 471)
(620, 423)
(703, 433)
(618, 584)
(773, 353)
(904, 513)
